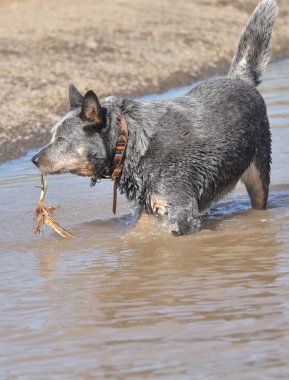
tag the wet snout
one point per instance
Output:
(48, 161)
(43, 160)
(35, 160)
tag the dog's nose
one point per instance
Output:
(35, 160)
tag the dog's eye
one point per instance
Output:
(60, 138)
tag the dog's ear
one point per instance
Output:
(75, 97)
(91, 109)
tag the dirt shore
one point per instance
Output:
(127, 47)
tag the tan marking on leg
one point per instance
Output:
(158, 205)
(255, 188)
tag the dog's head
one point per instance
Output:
(81, 140)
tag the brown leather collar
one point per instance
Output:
(120, 149)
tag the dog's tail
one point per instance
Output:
(254, 50)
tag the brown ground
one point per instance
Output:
(126, 47)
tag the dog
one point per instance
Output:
(176, 158)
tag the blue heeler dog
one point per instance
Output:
(176, 158)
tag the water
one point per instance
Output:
(123, 303)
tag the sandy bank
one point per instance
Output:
(126, 47)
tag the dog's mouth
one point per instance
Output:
(67, 165)
(79, 167)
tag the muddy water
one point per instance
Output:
(121, 303)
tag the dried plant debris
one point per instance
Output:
(45, 214)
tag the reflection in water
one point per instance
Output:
(118, 302)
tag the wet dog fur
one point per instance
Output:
(184, 154)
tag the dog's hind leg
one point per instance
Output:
(257, 177)
(257, 182)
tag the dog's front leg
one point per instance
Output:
(185, 220)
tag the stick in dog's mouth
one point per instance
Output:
(45, 214)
